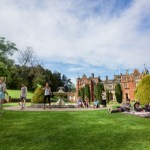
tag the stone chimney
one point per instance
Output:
(92, 75)
(127, 72)
(106, 78)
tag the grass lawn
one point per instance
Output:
(16, 94)
(94, 130)
(14, 104)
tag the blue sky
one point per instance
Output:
(104, 37)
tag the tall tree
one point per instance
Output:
(79, 93)
(87, 91)
(82, 93)
(67, 83)
(95, 91)
(7, 48)
(27, 57)
(3, 69)
(57, 82)
(118, 93)
(100, 89)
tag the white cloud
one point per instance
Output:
(70, 31)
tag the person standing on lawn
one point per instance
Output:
(23, 96)
(104, 99)
(47, 94)
(2, 94)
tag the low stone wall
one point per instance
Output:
(40, 105)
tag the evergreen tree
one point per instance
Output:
(87, 91)
(100, 90)
(79, 93)
(82, 93)
(118, 93)
(95, 91)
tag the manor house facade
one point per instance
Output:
(128, 83)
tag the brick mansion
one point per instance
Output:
(128, 83)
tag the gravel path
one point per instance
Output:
(17, 108)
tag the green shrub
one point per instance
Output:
(38, 96)
(142, 92)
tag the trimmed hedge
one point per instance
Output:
(18, 100)
(38, 96)
(142, 92)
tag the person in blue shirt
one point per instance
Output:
(80, 102)
(95, 103)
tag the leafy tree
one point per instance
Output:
(118, 93)
(6, 47)
(3, 70)
(142, 92)
(30, 72)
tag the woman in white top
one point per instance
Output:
(47, 94)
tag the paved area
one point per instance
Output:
(17, 108)
(140, 114)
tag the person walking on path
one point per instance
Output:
(23, 96)
(47, 94)
(2, 95)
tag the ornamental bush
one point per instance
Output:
(142, 92)
(38, 96)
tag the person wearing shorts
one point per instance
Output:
(2, 95)
(23, 96)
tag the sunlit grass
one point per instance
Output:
(73, 130)
(16, 94)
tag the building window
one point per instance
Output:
(136, 84)
(127, 97)
(136, 77)
(125, 85)
(124, 78)
(110, 86)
